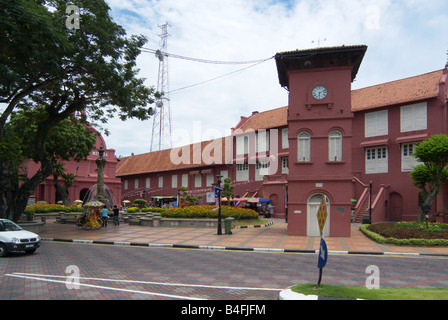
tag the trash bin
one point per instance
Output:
(228, 225)
(30, 216)
(366, 219)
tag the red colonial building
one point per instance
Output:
(86, 176)
(330, 142)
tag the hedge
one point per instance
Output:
(51, 208)
(402, 242)
(201, 212)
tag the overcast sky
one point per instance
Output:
(405, 38)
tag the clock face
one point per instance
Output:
(320, 92)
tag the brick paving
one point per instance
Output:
(134, 273)
(272, 237)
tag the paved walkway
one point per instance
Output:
(273, 238)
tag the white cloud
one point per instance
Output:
(404, 39)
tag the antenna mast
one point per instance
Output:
(161, 126)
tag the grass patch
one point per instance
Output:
(354, 292)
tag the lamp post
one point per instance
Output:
(426, 209)
(218, 185)
(100, 163)
(370, 200)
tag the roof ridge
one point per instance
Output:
(397, 80)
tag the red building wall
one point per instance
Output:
(86, 176)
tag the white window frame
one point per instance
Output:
(224, 174)
(335, 146)
(174, 181)
(185, 180)
(161, 182)
(136, 183)
(414, 117)
(261, 169)
(209, 179)
(242, 172)
(377, 160)
(262, 141)
(408, 161)
(126, 184)
(148, 183)
(285, 165)
(376, 123)
(197, 181)
(304, 147)
(285, 141)
(242, 145)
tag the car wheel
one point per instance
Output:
(3, 251)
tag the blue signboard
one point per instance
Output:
(323, 254)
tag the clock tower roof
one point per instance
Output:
(318, 58)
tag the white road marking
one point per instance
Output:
(42, 277)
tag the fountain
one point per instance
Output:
(108, 196)
(100, 163)
(100, 191)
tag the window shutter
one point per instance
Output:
(335, 146)
(420, 117)
(240, 145)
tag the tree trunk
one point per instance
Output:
(62, 190)
(8, 190)
(428, 202)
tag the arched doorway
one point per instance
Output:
(396, 206)
(312, 225)
(83, 194)
(274, 199)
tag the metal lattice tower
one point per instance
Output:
(161, 127)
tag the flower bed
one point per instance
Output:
(50, 208)
(205, 212)
(408, 233)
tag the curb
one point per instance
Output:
(288, 294)
(256, 226)
(186, 246)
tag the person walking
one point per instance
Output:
(116, 213)
(104, 216)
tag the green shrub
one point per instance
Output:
(207, 212)
(392, 233)
(141, 203)
(46, 208)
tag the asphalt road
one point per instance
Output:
(71, 271)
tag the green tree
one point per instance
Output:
(46, 67)
(187, 199)
(432, 172)
(141, 203)
(227, 190)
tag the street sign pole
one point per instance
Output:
(323, 252)
(323, 256)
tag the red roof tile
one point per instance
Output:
(160, 161)
(416, 88)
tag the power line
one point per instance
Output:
(171, 55)
(222, 76)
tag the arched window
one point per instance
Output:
(304, 147)
(335, 146)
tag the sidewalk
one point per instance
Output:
(271, 238)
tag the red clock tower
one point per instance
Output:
(320, 136)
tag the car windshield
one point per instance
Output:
(6, 225)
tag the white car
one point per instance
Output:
(15, 239)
